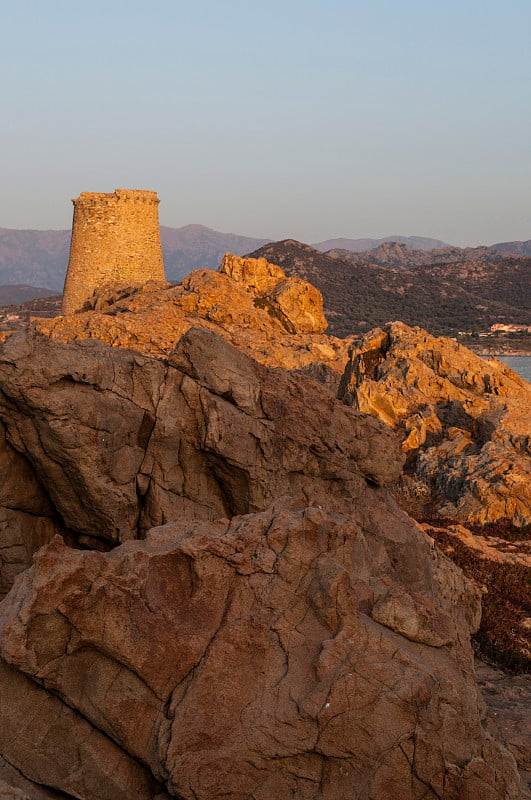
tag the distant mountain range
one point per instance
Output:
(37, 258)
(443, 298)
(419, 243)
(194, 247)
(40, 258)
(395, 255)
(17, 294)
(518, 248)
(360, 245)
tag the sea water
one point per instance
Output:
(519, 364)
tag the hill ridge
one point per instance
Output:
(445, 299)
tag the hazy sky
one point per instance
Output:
(299, 118)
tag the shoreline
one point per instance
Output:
(505, 354)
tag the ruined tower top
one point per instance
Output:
(115, 240)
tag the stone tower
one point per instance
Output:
(115, 239)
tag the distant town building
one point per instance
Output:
(501, 328)
(115, 240)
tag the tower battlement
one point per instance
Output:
(118, 196)
(115, 239)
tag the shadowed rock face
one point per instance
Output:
(464, 421)
(27, 517)
(291, 652)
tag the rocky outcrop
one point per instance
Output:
(298, 304)
(315, 647)
(464, 422)
(288, 653)
(122, 442)
(277, 320)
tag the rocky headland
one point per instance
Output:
(463, 421)
(210, 591)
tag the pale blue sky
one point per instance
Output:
(297, 118)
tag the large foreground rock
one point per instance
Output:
(117, 442)
(289, 653)
(464, 421)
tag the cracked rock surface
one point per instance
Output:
(247, 659)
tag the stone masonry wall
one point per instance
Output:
(115, 239)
